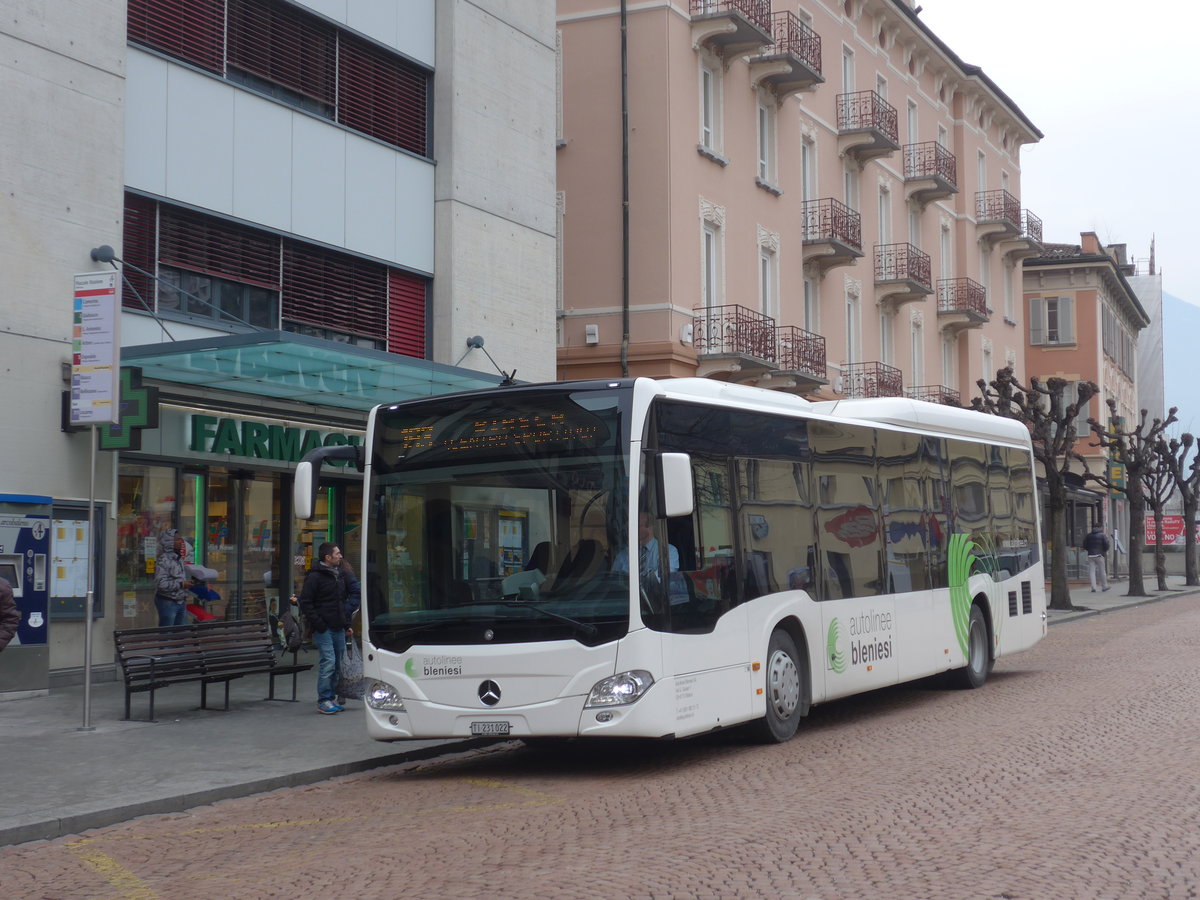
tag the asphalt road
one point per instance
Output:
(1074, 773)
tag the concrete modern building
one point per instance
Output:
(313, 206)
(823, 198)
(1084, 321)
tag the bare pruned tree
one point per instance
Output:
(1051, 418)
(1158, 485)
(1137, 451)
(1186, 477)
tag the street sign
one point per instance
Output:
(95, 349)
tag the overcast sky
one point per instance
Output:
(1115, 88)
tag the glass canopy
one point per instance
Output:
(301, 368)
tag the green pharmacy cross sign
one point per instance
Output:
(139, 410)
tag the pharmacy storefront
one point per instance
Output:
(218, 466)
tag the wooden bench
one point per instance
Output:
(207, 652)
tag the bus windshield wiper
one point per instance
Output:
(582, 627)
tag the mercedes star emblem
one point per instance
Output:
(489, 693)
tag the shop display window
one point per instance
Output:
(146, 507)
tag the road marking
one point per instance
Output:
(128, 885)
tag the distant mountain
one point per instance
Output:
(1181, 361)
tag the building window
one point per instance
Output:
(808, 169)
(887, 351)
(1010, 310)
(947, 255)
(186, 265)
(812, 305)
(1051, 320)
(297, 58)
(917, 341)
(766, 142)
(710, 261)
(710, 108)
(768, 281)
(853, 328)
(885, 215)
(949, 378)
(847, 70)
(912, 122)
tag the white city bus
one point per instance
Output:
(645, 558)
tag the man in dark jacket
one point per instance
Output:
(1096, 547)
(10, 616)
(323, 605)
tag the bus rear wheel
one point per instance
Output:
(784, 690)
(979, 662)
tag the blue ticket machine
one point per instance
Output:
(25, 564)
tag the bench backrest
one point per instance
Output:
(208, 648)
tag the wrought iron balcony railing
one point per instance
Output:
(902, 262)
(962, 295)
(872, 379)
(832, 220)
(757, 11)
(935, 393)
(794, 37)
(801, 351)
(998, 206)
(930, 160)
(1031, 226)
(866, 110)
(734, 330)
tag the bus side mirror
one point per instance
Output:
(308, 475)
(675, 484)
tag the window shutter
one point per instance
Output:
(192, 30)
(334, 291)
(209, 246)
(285, 46)
(380, 95)
(138, 250)
(1066, 320)
(406, 313)
(1037, 320)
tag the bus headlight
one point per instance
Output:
(621, 689)
(381, 695)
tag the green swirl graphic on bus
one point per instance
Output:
(833, 653)
(410, 667)
(961, 559)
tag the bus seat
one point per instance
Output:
(581, 563)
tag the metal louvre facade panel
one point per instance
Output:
(406, 313)
(283, 45)
(334, 290)
(208, 246)
(191, 30)
(295, 57)
(140, 248)
(317, 286)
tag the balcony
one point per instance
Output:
(793, 62)
(872, 379)
(832, 233)
(1027, 242)
(801, 356)
(901, 274)
(962, 303)
(731, 27)
(997, 216)
(934, 393)
(733, 341)
(930, 172)
(866, 126)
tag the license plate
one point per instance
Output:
(490, 729)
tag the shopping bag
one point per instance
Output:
(350, 683)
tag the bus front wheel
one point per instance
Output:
(784, 690)
(979, 662)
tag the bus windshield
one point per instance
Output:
(496, 519)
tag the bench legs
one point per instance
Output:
(128, 698)
(271, 694)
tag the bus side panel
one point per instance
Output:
(1018, 614)
(712, 675)
(859, 636)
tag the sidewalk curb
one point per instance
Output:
(1066, 615)
(51, 828)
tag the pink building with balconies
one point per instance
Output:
(822, 198)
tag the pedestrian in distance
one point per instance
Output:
(323, 605)
(1096, 546)
(171, 582)
(10, 616)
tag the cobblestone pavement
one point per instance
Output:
(1074, 773)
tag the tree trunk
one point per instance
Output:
(1137, 542)
(1190, 576)
(1060, 589)
(1160, 552)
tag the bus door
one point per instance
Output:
(705, 646)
